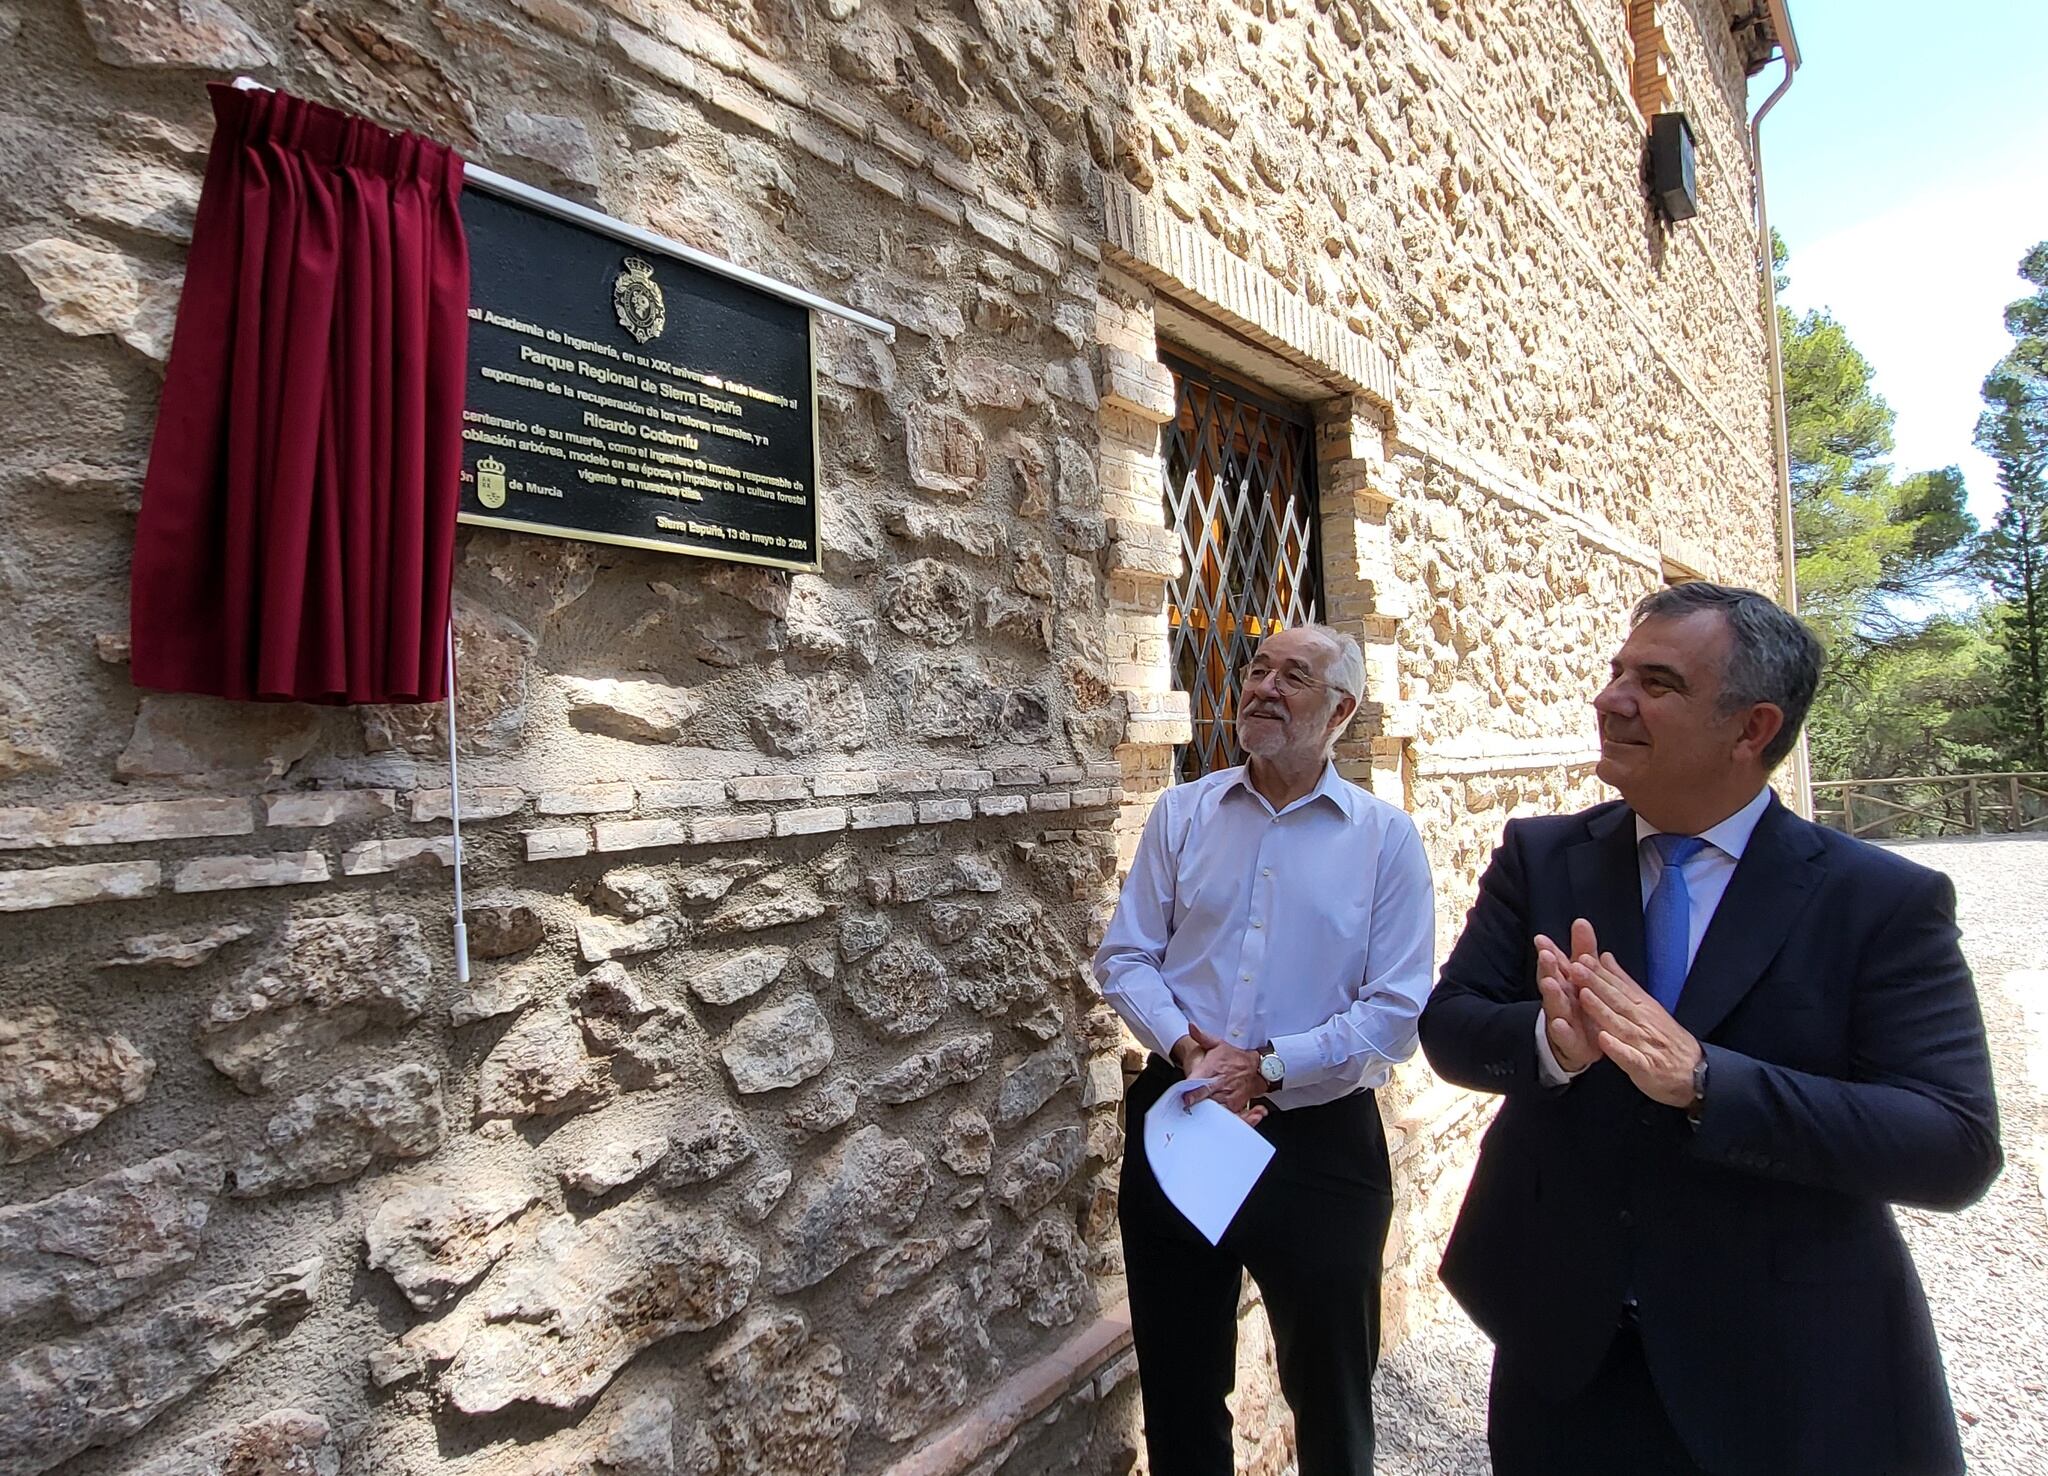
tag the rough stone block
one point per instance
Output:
(204, 740)
(909, 781)
(371, 857)
(638, 711)
(918, 1076)
(229, 873)
(994, 805)
(750, 788)
(883, 816)
(681, 794)
(939, 812)
(336, 1131)
(602, 938)
(436, 1239)
(577, 1305)
(639, 835)
(947, 452)
(780, 1045)
(193, 33)
(863, 1195)
(486, 802)
(328, 807)
(585, 799)
(322, 981)
(718, 830)
(1140, 387)
(966, 781)
(58, 1079)
(840, 786)
(82, 1393)
(122, 824)
(175, 950)
(557, 844)
(810, 822)
(101, 1245)
(67, 886)
(284, 1442)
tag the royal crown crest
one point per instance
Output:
(637, 298)
(490, 482)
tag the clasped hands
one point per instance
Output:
(1233, 1074)
(1592, 1008)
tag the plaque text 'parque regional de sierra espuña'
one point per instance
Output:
(624, 396)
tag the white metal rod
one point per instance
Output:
(455, 814)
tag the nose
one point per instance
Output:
(1612, 700)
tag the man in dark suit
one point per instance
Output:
(1756, 1036)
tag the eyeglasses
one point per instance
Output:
(1291, 680)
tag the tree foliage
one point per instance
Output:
(1875, 551)
(2013, 431)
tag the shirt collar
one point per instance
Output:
(1730, 836)
(1331, 787)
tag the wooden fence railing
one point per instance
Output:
(1934, 804)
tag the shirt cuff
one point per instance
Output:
(1300, 1059)
(1547, 1070)
(1168, 1029)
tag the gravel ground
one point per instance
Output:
(1986, 1270)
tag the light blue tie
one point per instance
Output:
(1667, 920)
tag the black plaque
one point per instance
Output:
(622, 395)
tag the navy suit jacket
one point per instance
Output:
(1847, 1071)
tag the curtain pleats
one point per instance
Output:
(297, 534)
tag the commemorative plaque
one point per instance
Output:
(623, 395)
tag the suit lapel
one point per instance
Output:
(1779, 870)
(1607, 887)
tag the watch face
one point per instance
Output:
(1270, 1067)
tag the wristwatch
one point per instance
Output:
(1271, 1067)
(1699, 1090)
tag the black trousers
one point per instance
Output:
(1615, 1426)
(1312, 1234)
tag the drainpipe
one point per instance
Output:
(1788, 46)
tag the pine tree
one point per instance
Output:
(2013, 431)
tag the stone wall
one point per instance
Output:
(777, 1129)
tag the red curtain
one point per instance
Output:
(297, 535)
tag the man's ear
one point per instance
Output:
(1347, 706)
(1762, 723)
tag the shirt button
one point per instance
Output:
(1257, 924)
(1237, 1035)
(1265, 871)
(1247, 978)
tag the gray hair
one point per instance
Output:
(1773, 657)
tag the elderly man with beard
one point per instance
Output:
(1274, 937)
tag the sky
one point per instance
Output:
(1907, 170)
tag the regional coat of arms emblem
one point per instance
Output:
(636, 297)
(490, 482)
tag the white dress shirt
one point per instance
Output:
(1706, 880)
(1313, 927)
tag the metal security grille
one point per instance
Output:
(1241, 490)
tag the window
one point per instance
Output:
(1241, 491)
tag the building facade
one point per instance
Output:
(777, 1130)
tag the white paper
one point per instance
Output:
(1206, 1158)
